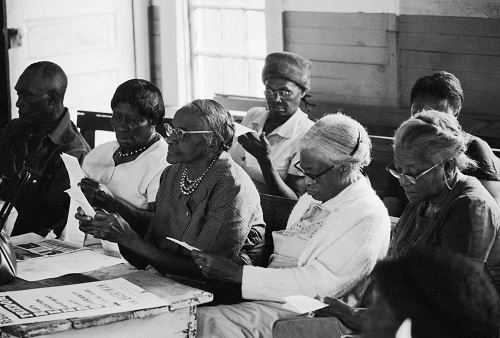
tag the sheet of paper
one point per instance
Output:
(240, 129)
(184, 244)
(59, 265)
(74, 301)
(302, 304)
(75, 172)
(79, 199)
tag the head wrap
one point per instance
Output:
(290, 66)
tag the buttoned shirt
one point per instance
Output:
(283, 140)
(43, 206)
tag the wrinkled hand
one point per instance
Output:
(336, 308)
(111, 227)
(217, 267)
(260, 148)
(95, 196)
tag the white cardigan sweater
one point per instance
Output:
(339, 256)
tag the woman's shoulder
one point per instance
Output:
(471, 193)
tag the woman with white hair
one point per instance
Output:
(335, 234)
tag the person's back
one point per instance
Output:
(33, 143)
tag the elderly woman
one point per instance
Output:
(447, 208)
(204, 199)
(335, 235)
(123, 176)
(268, 154)
(443, 92)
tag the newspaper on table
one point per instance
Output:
(74, 301)
(39, 259)
(44, 248)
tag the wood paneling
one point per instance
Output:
(353, 55)
(467, 47)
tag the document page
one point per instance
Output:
(74, 301)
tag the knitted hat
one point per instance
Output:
(288, 66)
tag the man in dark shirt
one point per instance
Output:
(33, 143)
(442, 91)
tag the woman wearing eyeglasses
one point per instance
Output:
(269, 154)
(123, 176)
(205, 199)
(335, 234)
(447, 208)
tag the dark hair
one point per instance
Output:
(442, 293)
(443, 85)
(218, 119)
(52, 76)
(143, 95)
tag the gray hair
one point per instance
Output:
(337, 139)
(217, 119)
(435, 135)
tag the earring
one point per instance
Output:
(447, 176)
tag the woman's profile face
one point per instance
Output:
(323, 187)
(193, 147)
(429, 185)
(132, 129)
(282, 105)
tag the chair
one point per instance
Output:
(276, 211)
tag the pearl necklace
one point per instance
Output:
(187, 185)
(140, 150)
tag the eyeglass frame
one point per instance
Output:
(281, 93)
(412, 179)
(170, 130)
(312, 177)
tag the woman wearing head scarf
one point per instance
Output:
(447, 208)
(123, 176)
(204, 199)
(268, 154)
(335, 235)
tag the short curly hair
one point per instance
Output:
(143, 95)
(442, 85)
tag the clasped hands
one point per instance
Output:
(104, 225)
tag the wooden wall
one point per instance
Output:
(466, 47)
(353, 55)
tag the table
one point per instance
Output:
(175, 320)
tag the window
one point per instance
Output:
(228, 47)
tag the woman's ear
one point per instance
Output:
(449, 165)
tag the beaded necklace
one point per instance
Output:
(187, 185)
(140, 150)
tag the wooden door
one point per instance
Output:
(92, 40)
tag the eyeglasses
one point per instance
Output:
(410, 178)
(312, 177)
(269, 93)
(179, 133)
